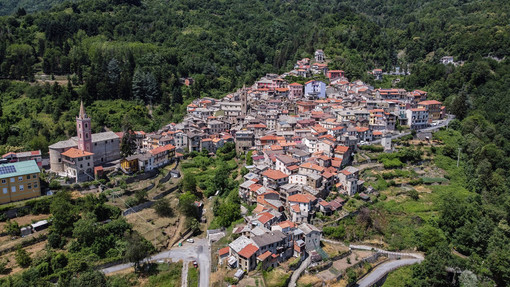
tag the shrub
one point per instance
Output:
(162, 208)
(22, 257)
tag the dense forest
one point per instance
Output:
(125, 59)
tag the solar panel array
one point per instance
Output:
(7, 169)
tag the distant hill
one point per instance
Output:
(8, 7)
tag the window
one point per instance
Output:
(86, 125)
(5, 190)
(35, 185)
(13, 188)
(86, 136)
(29, 186)
(21, 188)
(4, 181)
(34, 175)
(95, 144)
(59, 160)
(81, 165)
(12, 179)
(28, 176)
(88, 163)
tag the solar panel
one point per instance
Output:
(7, 169)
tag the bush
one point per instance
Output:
(162, 208)
(413, 194)
(22, 257)
(416, 181)
(130, 202)
(12, 228)
(55, 185)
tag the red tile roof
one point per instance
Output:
(264, 256)
(75, 153)
(430, 102)
(161, 149)
(274, 174)
(224, 251)
(248, 251)
(301, 198)
(265, 217)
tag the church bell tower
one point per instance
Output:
(84, 129)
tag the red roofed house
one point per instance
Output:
(247, 257)
(223, 254)
(335, 74)
(274, 178)
(301, 206)
(162, 155)
(78, 164)
(433, 107)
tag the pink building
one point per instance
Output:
(295, 91)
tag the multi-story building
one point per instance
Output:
(19, 180)
(78, 164)
(244, 141)
(433, 107)
(417, 118)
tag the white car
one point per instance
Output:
(190, 240)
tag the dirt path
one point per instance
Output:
(177, 234)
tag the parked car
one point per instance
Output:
(195, 264)
(190, 240)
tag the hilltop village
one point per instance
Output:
(301, 129)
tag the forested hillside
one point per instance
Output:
(124, 58)
(8, 7)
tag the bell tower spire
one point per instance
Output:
(84, 130)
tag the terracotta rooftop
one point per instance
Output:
(248, 251)
(76, 153)
(274, 174)
(224, 251)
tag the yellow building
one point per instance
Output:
(19, 180)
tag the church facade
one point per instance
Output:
(77, 156)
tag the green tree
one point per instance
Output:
(189, 183)
(64, 214)
(249, 159)
(127, 144)
(145, 87)
(137, 250)
(162, 207)
(187, 204)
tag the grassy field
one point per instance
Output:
(192, 275)
(168, 275)
(276, 277)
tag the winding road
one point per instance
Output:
(380, 271)
(199, 251)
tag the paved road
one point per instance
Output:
(383, 269)
(297, 273)
(199, 251)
